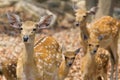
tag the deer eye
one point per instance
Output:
(97, 45)
(89, 44)
(21, 29)
(73, 58)
(34, 29)
(77, 23)
(84, 16)
(66, 57)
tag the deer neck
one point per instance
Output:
(28, 53)
(26, 65)
(90, 58)
(83, 28)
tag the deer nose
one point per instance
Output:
(25, 38)
(94, 51)
(69, 64)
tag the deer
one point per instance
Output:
(104, 33)
(39, 61)
(67, 62)
(81, 17)
(94, 65)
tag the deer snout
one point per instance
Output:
(94, 51)
(25, 38)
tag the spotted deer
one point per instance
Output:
(8, 66)
(68, 59)
(39, 61)
(104, 33)
(81, 17)
(94, 65)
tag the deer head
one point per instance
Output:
(81, 15)
(28, 28)
(70, 56)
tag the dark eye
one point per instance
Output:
(77, 23)
(47, 24)
(97, 45)
(21, 28)
(73, 58)
(66, 57)
(90, 44)
(84, 16)
(34, 29)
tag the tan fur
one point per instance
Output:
(45, 60)
(39, 61)
(8, 69)
(95, 65)
(106, 28)
(81, 20)
(69, 57)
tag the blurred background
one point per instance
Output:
(62, 27)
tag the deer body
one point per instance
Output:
(105, 33)
(81, 17)
(68, 59)
(94, 66)
(49, 52)
(26, 66)
(39, 61)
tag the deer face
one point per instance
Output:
(93, 46)
(70, 57)
(81, 15)
(28, 28)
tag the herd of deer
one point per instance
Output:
(45, 59)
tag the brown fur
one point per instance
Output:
(104, 33)
(95, 65)
(40, 62)
(68, 59)
(106, 28)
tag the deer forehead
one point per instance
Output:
(94, 41)
(69, 54)
(79, 14)
(28, 25)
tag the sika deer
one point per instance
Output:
(81, 17)
(40, 62)
(68, 59)
(94, 65)
(104, 33)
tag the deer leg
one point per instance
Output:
(112, 63)
(115, 55)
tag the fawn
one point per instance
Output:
(104, 33)
(68, 59)
(94, 65)
(81, 17)
(9, 66)
(37, 62)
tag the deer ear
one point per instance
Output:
(74, 6)
(93, 10)
(44, 22)
(14, 20)
(77, 50)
